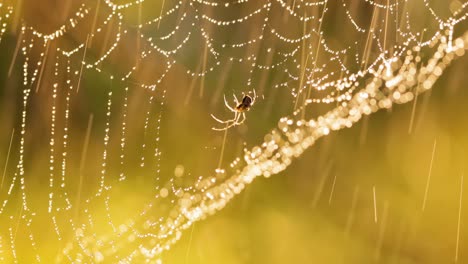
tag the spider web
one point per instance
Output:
(93, 171)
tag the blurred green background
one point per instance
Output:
(292, 217)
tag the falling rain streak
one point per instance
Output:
(141, 66)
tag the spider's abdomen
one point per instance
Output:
(245, 104)
(247, 101)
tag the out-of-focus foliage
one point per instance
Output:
(109, 148)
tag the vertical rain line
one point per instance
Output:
(459, 218)
(202, 82)
(145, 132)
(192, 85)
(396, 21)
(189, 244)
(7, 158)
(160, 13)
(402, 19)
(16, 18)
(303, 64)
(369, 40)
(415, 101)
(364, 130)
(138, 38)
(383, 226)
(2, 254)
(105, 42)
(43, 63)
(222, 149)
(429, 176)
(386, 26)
(15, 54)
(413, 112)
(84, 153)
(93, 26)
(82, 64)
(350, 218)
(332, 189)
(342, 72)
(321, 185)
(375, 204)
(18, 223)
(316, 56)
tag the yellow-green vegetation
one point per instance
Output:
(273, 131)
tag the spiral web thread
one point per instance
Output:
(390, 64)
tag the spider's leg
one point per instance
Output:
(234, 122)
(235, 99)
(220, 129)
(231, 125)
(227, 105)
(243, 119)
(224, 128)
(238, 117)
(223, 122)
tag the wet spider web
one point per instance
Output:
(92, 170)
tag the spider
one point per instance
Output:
(239, 111)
